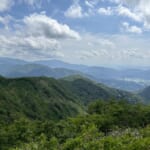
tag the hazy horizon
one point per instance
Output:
(80, 64)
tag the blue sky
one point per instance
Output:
(92, 32)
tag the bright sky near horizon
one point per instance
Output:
(92, 32)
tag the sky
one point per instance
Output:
(91, 32)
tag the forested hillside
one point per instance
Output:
(88, 90)
(47, 98)
(108, 125)
(36, 98)
(48, 114)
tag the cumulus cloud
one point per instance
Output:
(41, 25)
(138, 10)
(132, 29)
(124, 11)
(121, 11)
(36, 35)
(27, 46)
(74, 11)
(80, 10)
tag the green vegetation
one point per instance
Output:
(87, 91)
(110, 125)
(48, 114)
(36, 98)
(46, 98)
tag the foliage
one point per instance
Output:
(48, 114)
(46, 98)
(36, 99)
(104, 128)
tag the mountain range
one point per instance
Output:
(124, 79)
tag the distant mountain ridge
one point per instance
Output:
(125, 79)
(38, 70)
(99, 71)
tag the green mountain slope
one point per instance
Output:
(88, 90)
(36, 98)
(46, 98)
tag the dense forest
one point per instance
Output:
(108, 125)
(48, 114)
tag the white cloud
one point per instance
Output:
(132, 29)
(121, 11)
(2, 20)
(122, 49)
(5, 5)
(35, 36)
(134, 53)
(41, 25)
(91, 3)
(105, 11)
(74, 11)
(91, 48)
(27, 46)
(5, 20)
(124, 11)
(93, 54)
(138, 10)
